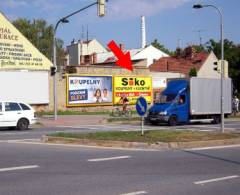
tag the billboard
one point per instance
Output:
(16, 52)
(89, 90)
(132, 87)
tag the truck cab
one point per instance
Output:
(173, 105)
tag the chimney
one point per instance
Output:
(81, 60)
(94, 58)
(121, 46)
(143, 31)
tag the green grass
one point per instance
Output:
(151, 136)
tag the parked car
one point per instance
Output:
(16, 114)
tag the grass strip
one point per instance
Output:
(150, 136)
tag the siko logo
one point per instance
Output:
(132, 81)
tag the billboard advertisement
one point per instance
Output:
(132, 87)
(16, 52)
(89, 90)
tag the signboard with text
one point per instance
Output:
(132, 87)
(89, 90)
(16, 52)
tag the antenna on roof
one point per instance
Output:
(82, 36)
(179, 43)
(199, 35)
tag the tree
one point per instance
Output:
(161, 47)
(232, 55)
(40, 34)
(192, 72)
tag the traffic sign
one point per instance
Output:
(141, 106)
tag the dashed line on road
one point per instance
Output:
(110, 158)
(216, 179)
(135, 193)
(18, 168)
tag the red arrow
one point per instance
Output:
(124, 60)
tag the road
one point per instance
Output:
(31, 167)
(27, 169)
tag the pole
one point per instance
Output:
(222, 64)
(63, 20)
(142, 126)
(222, 73)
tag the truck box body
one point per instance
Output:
(196, 99)
(205, 96)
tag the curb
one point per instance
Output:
(140, 145)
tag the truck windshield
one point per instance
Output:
(167, 98)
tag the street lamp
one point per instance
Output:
(198, 6)
(101, 12)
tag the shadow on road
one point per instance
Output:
(212, 157)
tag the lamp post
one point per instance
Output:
(198, 6)
(101, 12)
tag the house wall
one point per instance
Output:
(91, 70)
(150, 53)
(77, 49)
(206, 71)
(73, 51)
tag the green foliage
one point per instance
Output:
(192, 72)
(232, 55)
(40, 34)
(158, 45)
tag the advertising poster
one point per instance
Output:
(89, 90)
(16, 52)
(132, 87)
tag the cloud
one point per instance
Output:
(12, 3)
(123, 9)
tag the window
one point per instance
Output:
(24, 106)
(182, 99)
(0, 107)
(10, 106)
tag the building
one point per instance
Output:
(181, 65)
(79, 53)
(24, 71)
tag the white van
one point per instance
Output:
(16, 114)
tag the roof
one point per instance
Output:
(182, 64)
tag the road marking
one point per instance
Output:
(214, 147)
(216, 179)
(18, 168)
(110, 158)
(15, 133)
(135, 193)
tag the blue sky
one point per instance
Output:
(166, 20)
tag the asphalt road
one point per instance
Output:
(32, 167)
(27, 169)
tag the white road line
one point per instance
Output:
(216, 179)
(214, 147)
(110, 158)
(135, 193)
(18, 168)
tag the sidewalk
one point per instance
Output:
(72, 120)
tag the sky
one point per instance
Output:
(172, 22)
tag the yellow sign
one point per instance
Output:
(16, 52)
(132, 87)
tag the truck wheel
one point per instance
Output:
(172, 121)
(22, 124)
(216, 119)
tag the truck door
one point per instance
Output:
(182, 108)
(1, 114)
